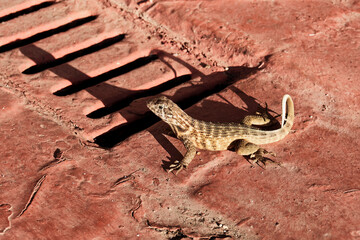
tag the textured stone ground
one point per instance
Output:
(82, 158)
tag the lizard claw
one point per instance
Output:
(258, 157)
(176, 166)
(268, 152)
(255, 158)
(263, 112)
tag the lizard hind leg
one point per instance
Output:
(253, 151)
(261, 118)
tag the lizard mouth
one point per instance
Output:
(149, 103)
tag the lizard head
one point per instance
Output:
(165, 109)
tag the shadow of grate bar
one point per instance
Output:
(45, 34)
(122, 132)
(31, 9)
(105, 76)
(69, 57)
(139, 94)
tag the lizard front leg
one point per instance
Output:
(189, 156)
(255, 153)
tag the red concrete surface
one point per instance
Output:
(56, 183)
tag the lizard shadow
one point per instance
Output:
(184, 94)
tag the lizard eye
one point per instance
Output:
(161, 107)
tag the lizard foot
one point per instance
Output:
(177, 165)
(264, 112)
(258, 157)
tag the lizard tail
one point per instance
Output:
(264, 137)
(287, 113)
(287, 120)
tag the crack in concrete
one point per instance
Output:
(242, 221)
(351, 190)
(150, 7)
(32, 196)
(120, 180)
(176, 230)
(2, 232)
(178, 233)
(125, 178)
(133, 210)
(101, 195)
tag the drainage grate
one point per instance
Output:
(100, 67)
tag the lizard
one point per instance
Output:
(242, 137)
